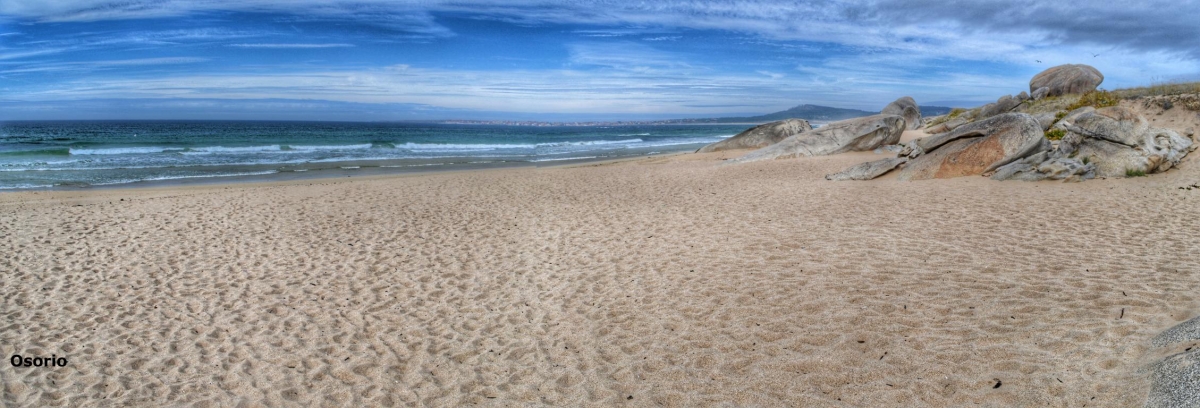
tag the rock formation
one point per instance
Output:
(858, 134)
(1066, 79)
(976, 148)
(760, 136)
(905, 107)
(1120, 142)
(1108, 142)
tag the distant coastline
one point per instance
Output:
(812, 113)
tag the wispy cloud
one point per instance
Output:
(629, 56)
(772, 75)
(30, 53)
(93, 65)
(261, 45)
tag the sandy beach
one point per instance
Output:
(672, 281)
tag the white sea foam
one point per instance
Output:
(161, 178)
(331, 147)
(590, 143)
(25, 186)
(240, 149)
(121, 150)
(462, 147)
(564, 158)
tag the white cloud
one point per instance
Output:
(268, 45)
(772, 75)
(92, 65)
(629, 56)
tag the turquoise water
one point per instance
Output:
(37, 155)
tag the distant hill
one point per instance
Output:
(927, 111)
(814, 113)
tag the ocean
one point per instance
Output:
(79, 154)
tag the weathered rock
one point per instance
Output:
(1067, 79)
(858, 134)
(1175, 379)
(1045, 119)
(907, 108)
(868, 170)
(946, 126)
(1022, 97)
(1183, 332)
(1120, 142)
(1039, 93)
(760, 136)
(976, 148)
(982, 111)
(1042, 167)
(1115, 124)
(1005, 104)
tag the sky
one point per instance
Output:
(375, 60)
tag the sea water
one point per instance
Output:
(35, 155)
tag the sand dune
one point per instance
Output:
(673, 281)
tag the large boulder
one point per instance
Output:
(1066, 79)
(760, 136)
(1120, 142)
(907, 108)
(858, 134)
(976, 148)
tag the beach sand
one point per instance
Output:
(673, 281)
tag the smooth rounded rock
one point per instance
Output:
(760, 136)
(1066, 79)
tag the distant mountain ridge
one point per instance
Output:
(808, 112)
(821, 113)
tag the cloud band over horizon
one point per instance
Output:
(608, 59)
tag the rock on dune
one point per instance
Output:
(976, 148)
(907, 108)
(1120, 142)
(1066, 79)
(1106, 142)
(760, 136)
(858, 134)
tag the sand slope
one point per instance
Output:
(664, 281)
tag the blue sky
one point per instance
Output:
(561, 60)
